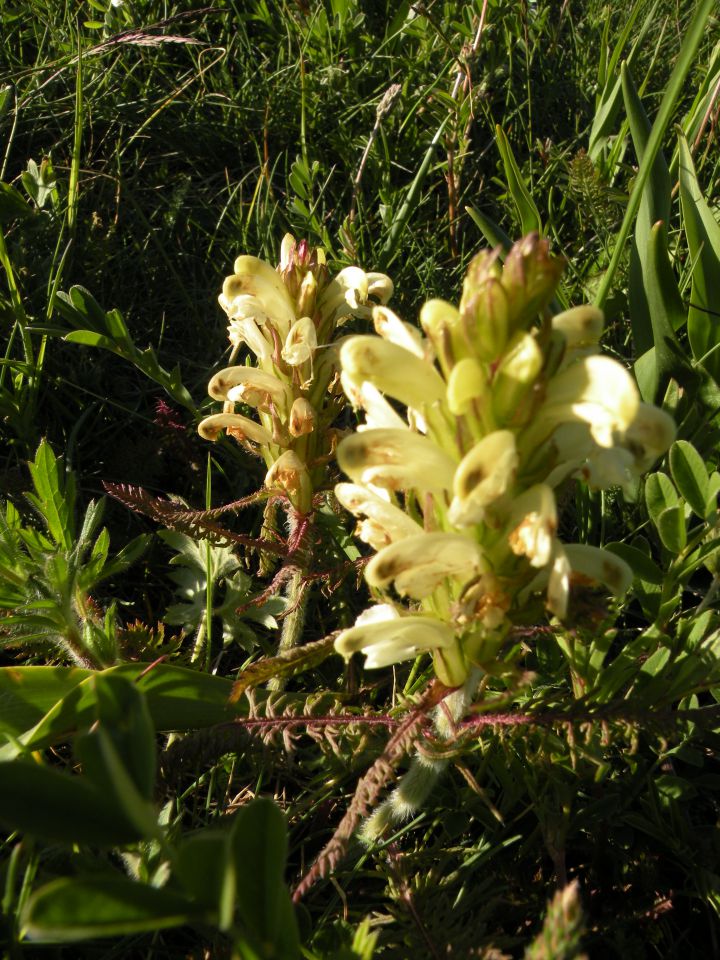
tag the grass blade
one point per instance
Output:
(673, 92)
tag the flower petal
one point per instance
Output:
(397, 460)
(393, 370)
(301, 342)
(390, 640)
(533, 522)
(597, 390)
(237, 426)
(581, 327)
(249, 385)
(258, 279)
(391, 328)
(384, 523)
(378, 412)
(246, 330)
(420, 563)
(484, 475)
(649, 435)
(302, 417)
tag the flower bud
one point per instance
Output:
(530, 276)
(515, 377)
(305, 305)
(467, 383)
(290, 474)
(484, 308)
(302, 417)
(439, 319)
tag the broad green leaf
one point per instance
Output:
(530, 220)
(88, 307)
(121, 712)
(642, 565)
(44, 705)
(89, 338)
(103, 765)
(672, 529)
(711, 504)
(260, 838)
(690, 475)
(182, 699)
(646, 375)
(703, 237)
(674, 788)
(81, 908)
(200, 866)
(56, 806)
(667, 313)
(54, 496)
(125, 557)
(660, 493)
(13, 206)
(91, 521)
(116, 326)
(27, 693)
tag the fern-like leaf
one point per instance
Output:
(198, 524)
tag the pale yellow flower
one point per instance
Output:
(288, 318)
(396, 460)
(501, 406)
(385, 637)
(484, 475)
(418, 564)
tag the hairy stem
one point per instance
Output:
(425, 770)
(297, 596)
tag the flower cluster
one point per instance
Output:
(504, 403)
(288, 317)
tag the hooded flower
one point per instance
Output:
(385, 637)
(502, 405)
(287, 318)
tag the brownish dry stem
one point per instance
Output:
(370, 786)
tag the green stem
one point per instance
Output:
(292, 624)
(199, 644)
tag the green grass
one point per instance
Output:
(177, 136)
